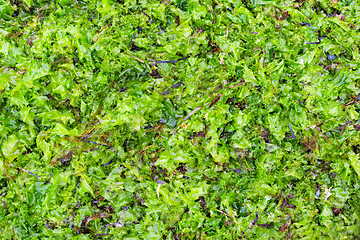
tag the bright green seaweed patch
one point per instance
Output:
(179, 119)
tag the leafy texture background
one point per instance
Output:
(179, 119)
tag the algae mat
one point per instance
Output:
(179, 119)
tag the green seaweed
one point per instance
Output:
(179, 119)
